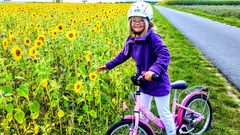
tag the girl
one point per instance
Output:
(151, 56)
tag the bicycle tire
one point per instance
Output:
(127, 123)
(200, 127)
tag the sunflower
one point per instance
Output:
(36, 129)
(10, 33)
(38, 26)
(99, 31)
(71, 35)
(12, 39)
(44, 83)
(60, 27)
(5, 44)
(38, 43)
(34, 15)
(41, 37)
(33, 52)
(88, 25)
(88, 56)
(73, 21)
(54, 33)
(92, 18)
(30, 33)
(86, 19)
(74, 27)
(77, 86)
(93, 76)
(98, 23)
(106, 40)
(114, 100)
(31, 25)
(16, 53)
(92, 30)
(39, 30)
(60, 113)
(117, 74)
(26, 41)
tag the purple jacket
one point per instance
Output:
(149, 53)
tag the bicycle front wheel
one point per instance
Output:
(200, 104)
(123, 127)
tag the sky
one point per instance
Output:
(76, 1)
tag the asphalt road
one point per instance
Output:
(219, 43)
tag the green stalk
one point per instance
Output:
(16, 127)
(89, 121)
(60, 122)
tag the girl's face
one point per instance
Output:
(138, 24)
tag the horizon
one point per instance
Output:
(79, 1)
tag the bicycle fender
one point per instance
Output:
(184, 102)
(141, 120)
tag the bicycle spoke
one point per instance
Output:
(125, 129)
(198, 104)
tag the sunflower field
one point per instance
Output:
(48, 59)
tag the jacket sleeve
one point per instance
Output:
(121, 57)
(163, 56)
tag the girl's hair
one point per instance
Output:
(148, 25)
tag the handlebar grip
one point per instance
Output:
(155, 77)
(140, 78)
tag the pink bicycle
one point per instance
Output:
(194, 114)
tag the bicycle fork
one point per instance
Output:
(134, 128)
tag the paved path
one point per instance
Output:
(220, 43)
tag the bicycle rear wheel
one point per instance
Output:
(123, 127)
(200, 104)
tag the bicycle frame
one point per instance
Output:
(139, 107)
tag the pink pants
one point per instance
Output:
(163, 111)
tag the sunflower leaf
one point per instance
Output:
(23, 91)
(82, 69)
(80, 119)
(34, 107)
(19, 116)
(7, 89)
(85, 108)
(93, 113)
(9, 108)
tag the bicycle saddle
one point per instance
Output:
(180, 84)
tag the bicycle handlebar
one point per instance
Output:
(139, 80)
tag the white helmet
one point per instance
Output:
(142, 9)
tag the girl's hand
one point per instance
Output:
(101, 68)
(148, 75)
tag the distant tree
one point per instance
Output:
(84, 1)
